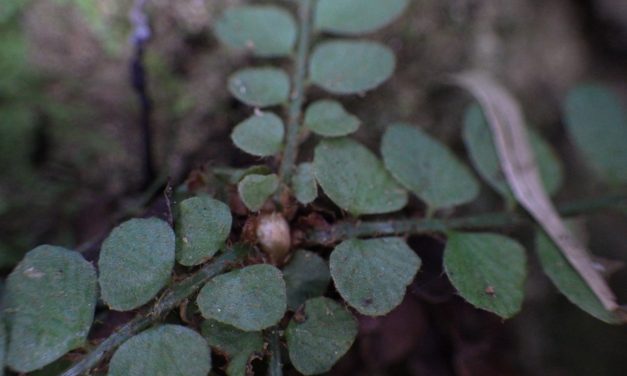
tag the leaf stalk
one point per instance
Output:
(297, 97)
(417, 226)
(275, 367)
(168, 301)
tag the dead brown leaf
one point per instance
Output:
(517, 161)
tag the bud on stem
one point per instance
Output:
(273, 235)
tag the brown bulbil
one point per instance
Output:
(273, 235)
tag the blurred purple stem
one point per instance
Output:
(139, 80)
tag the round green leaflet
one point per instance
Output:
(254, 190)
(351, 17)
(252, 298)
(49, 306)
(372, 275)
(235, 175)
(202, 227)
(350, 67)
(266, 31)
(260, 134)
(326, 333)
(329, 118)
(306, 276)
(427, 168)
(237, 344)
(167, 350)
(568, 281)
(304, 184)
(260, 87)
(483, 155)
(355, 179)
(597, 123)
(135, 262)
(488, 270)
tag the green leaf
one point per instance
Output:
(355, 179)
(252, 298)
(235, 175)
(266, 31)
(239, 346)
(568, 281)
(306, 276)
(304, 184)
(597, 123)
(427, 167)
(260, 87)
(351, 17)
(171, 350)
(372, 275)
(202, 228)
(50, 299)
(318, 341)
(488, 270)
(329, 118)
(254, 190)
(351, 67)
(478, 139)
(260, 135)
(135, 262)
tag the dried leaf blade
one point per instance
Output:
(508, 128)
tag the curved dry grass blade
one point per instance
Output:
(517, 161)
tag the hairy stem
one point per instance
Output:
(297, 96)
(346, 230)
(169, 301)
(275, 367)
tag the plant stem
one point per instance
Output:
(297, 96)
(169, 301)
(275, 368)
(346, 230)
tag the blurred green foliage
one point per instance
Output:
(42, 145)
